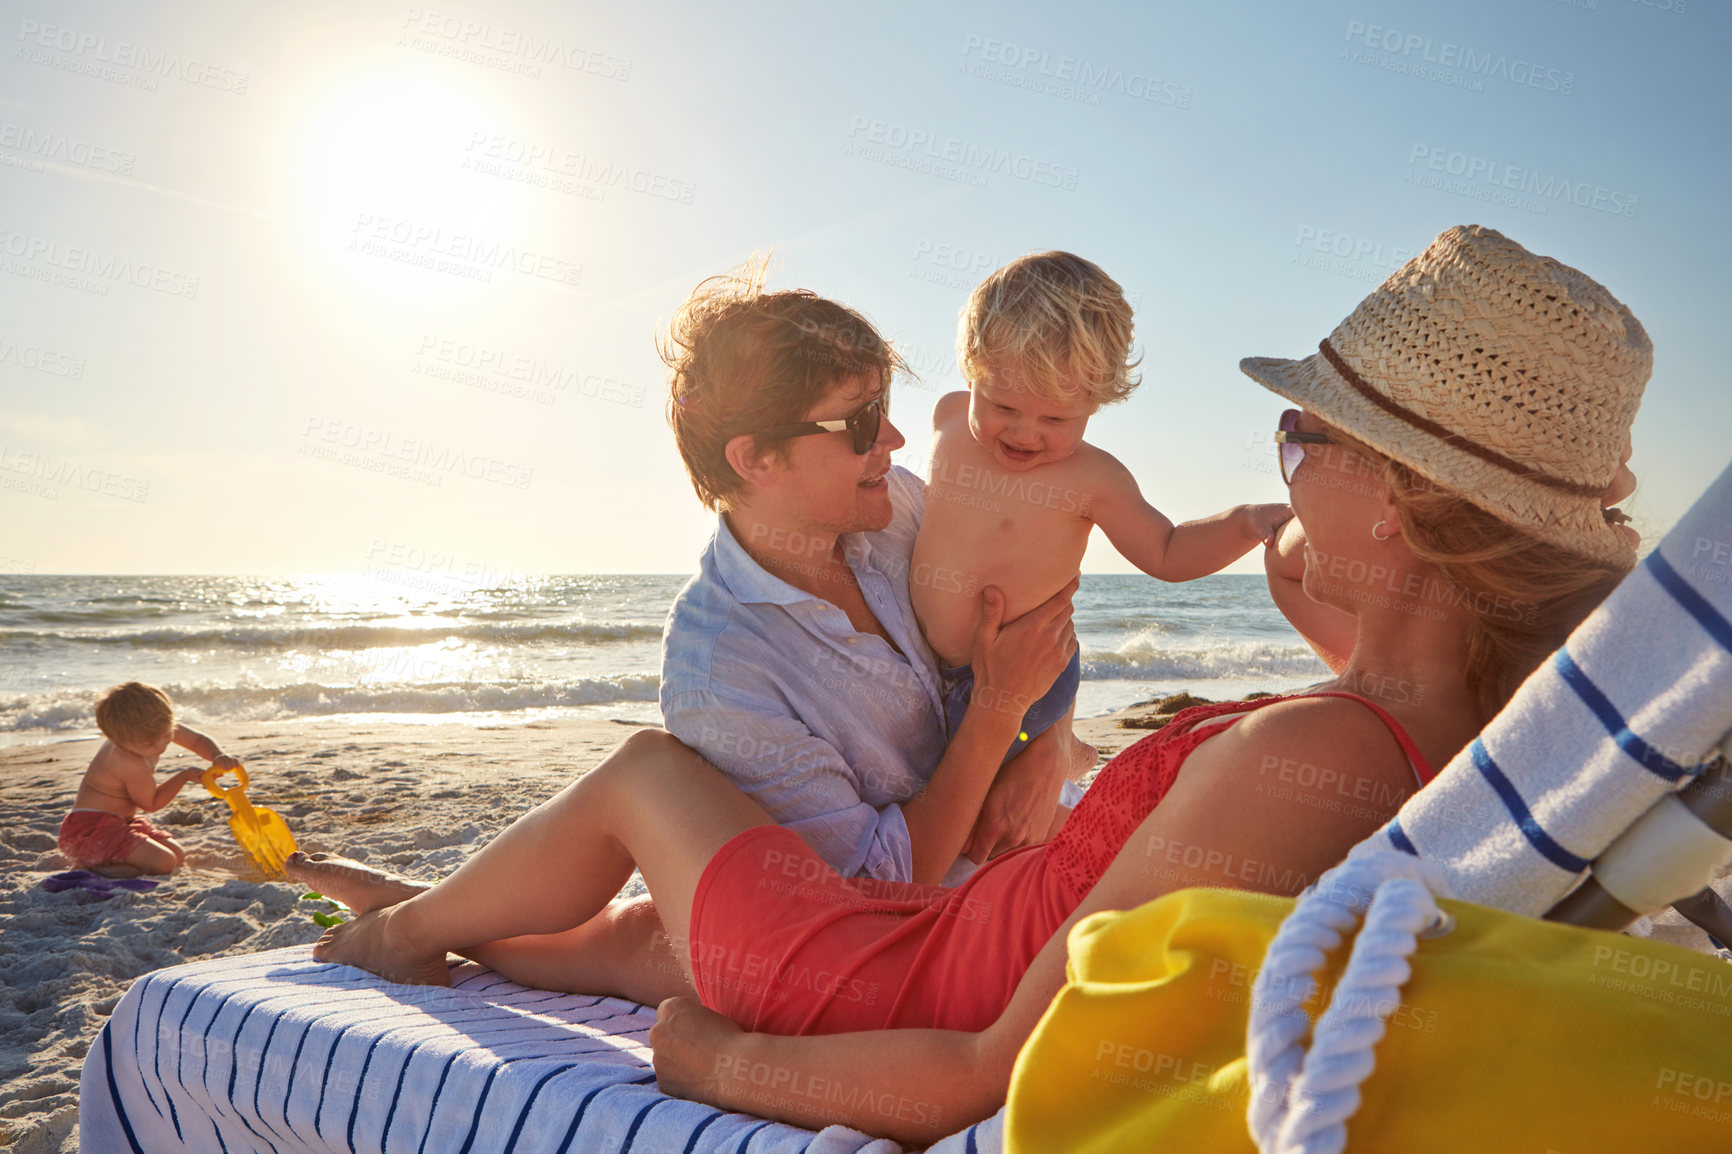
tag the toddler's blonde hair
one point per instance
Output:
(1055, 322)
(134, 713)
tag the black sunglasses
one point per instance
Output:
(862, 424)
(1290, 443)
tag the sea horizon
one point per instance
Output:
(418, 646)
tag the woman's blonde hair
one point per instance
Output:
(1525, 595)
(1057, 322)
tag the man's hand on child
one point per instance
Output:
(1016, 662)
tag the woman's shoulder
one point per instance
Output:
(1319, 711)
(1331, 740)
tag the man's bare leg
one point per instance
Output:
(653, 802)
(622, 951)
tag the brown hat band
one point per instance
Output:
(1454, 440)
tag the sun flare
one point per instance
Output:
(387, 140)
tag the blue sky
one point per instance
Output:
(281, 290)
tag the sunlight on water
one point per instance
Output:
(417, 638)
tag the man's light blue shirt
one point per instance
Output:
(827, 728)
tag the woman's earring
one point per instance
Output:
(1375, 535)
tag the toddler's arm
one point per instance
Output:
(1172, 552)
(203, 746)
(142, 788)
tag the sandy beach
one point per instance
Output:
(417, 799)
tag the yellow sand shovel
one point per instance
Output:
(261, 832)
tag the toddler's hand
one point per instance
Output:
(1262, 522)
(224, 762)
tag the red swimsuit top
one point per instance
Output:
(1134, 782)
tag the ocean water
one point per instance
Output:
(421, 646)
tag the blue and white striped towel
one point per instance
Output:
(275, 1052)
(1627, 711)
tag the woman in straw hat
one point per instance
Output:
(1458, 436)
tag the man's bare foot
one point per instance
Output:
(369, 943)
(360, 887)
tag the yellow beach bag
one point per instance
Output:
(1511, 1034)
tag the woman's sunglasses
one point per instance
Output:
(862, 424)
(1290, 443)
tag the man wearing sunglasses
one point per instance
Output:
(792, 661)
(861, 425)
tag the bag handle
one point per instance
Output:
(1300, 1101)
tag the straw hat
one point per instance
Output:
(1503, 376)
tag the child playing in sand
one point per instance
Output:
(1014, 489)
(104, 833)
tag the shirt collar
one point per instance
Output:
(750, 582)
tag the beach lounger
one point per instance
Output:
(277, 1052)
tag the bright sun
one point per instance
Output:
(385, 140)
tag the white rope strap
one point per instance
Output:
(1301, 1102)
